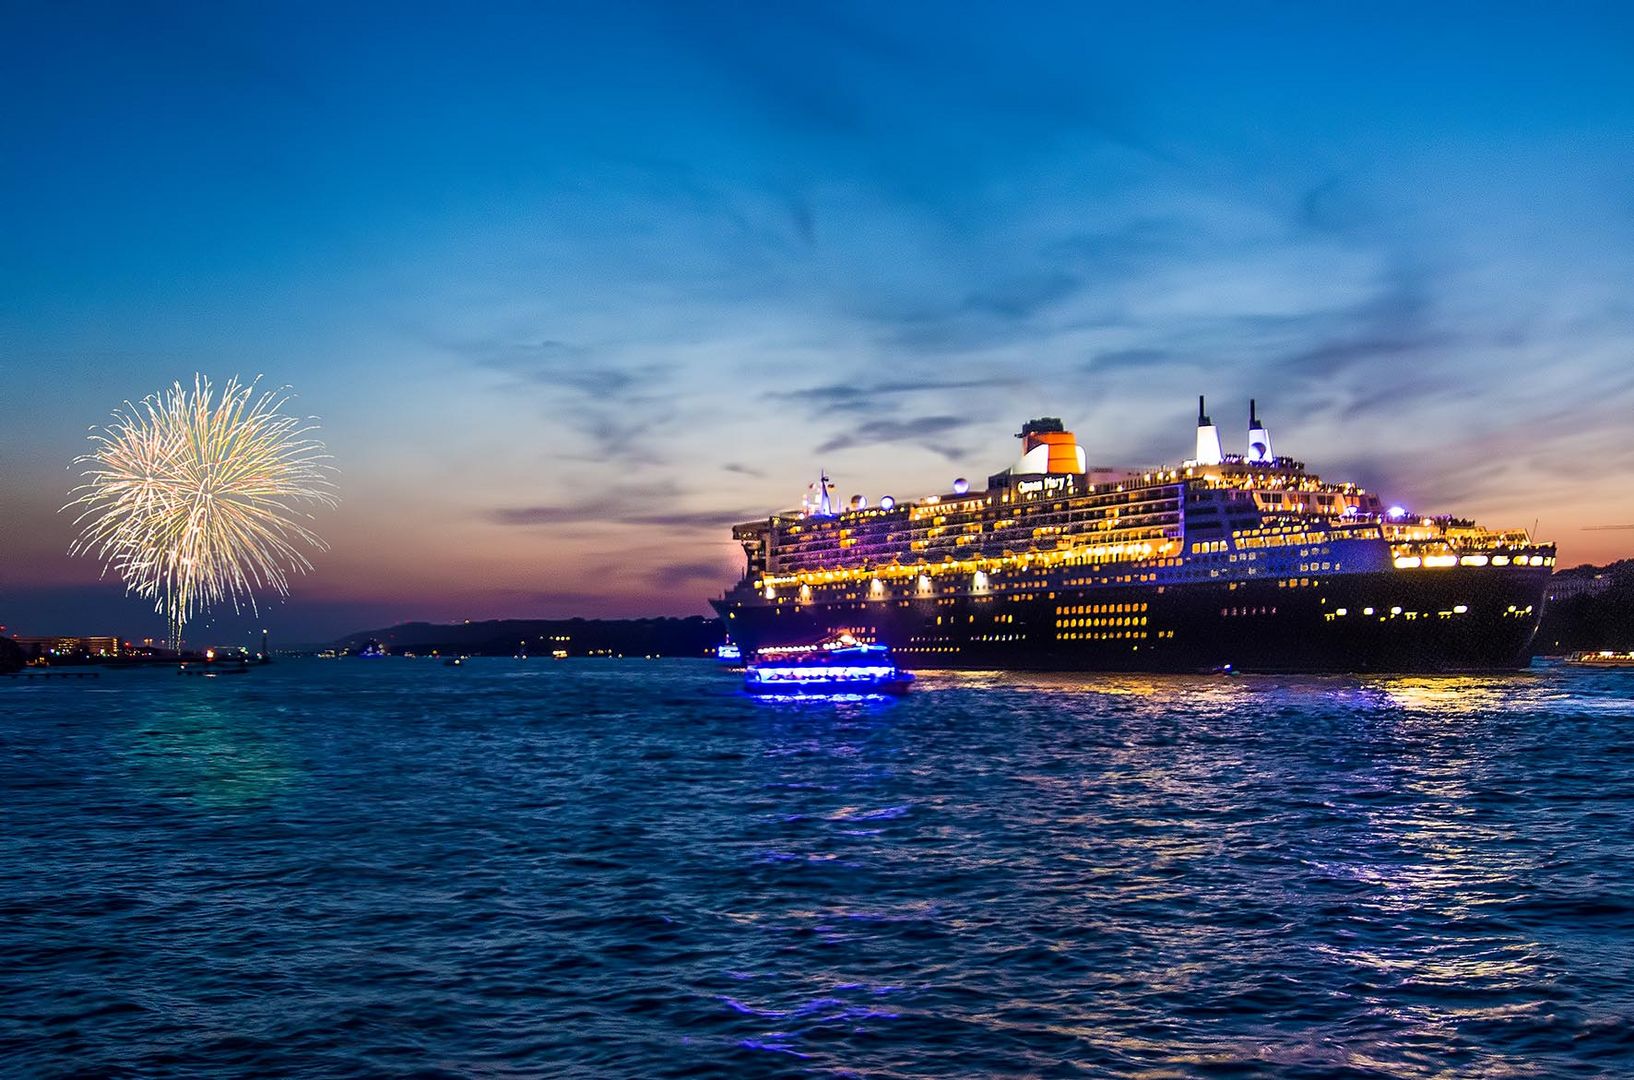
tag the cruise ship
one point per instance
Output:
(1224, 562)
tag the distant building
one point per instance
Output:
(69, 646)
(1567, 585)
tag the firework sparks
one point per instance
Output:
(196, 499)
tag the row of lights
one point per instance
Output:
(1413, 562)
(978, 568)
(1457, 609)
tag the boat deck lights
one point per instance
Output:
(810, 670)
(822, 673)
(843, 641)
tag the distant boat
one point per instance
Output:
(1602, 658)
(729, 654)
(371, 650)
(454, 661)
(211, 670)
(839, 665)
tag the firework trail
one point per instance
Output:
(196, 499)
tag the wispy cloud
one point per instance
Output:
(871, 397)
(652, 507)
(932, 432)
(702, 574)
(618, 401)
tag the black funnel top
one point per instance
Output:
(1042, 424)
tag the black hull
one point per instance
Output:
(1454, 620)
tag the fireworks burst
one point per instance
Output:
(196, 499)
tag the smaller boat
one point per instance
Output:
(211, 670)
(840, 665)
(454, 661)
(729, 654)
(1602, 658)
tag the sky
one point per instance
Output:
(572, 288)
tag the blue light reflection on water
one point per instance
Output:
(635, 869)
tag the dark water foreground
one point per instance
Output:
(354, 868)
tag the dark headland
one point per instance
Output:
(691, 636)
(1589, 607)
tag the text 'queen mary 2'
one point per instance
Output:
(1243, 561)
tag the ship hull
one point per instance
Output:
(1456, 620)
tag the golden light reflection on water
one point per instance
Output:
(1436, 694)
(1456, 696)
(1111, 684)
(1173, 780)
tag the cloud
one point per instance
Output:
(981, 320)
(871, 397)
(1031, 296)
(881, 79)
(803, 217)
(931, 432)
(1119, 248)
(683, 574)
(605, 512)
(1023, 296)
(558, 365)
(545, 515)
(1334, 205)
(1141, 358)
(619, 401)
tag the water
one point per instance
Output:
(606, 869)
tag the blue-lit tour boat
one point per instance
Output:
(839, 665)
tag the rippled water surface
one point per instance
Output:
(630, 869)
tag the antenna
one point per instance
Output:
(1253, 414)
(1202, 417)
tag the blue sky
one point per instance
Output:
(573, 289)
